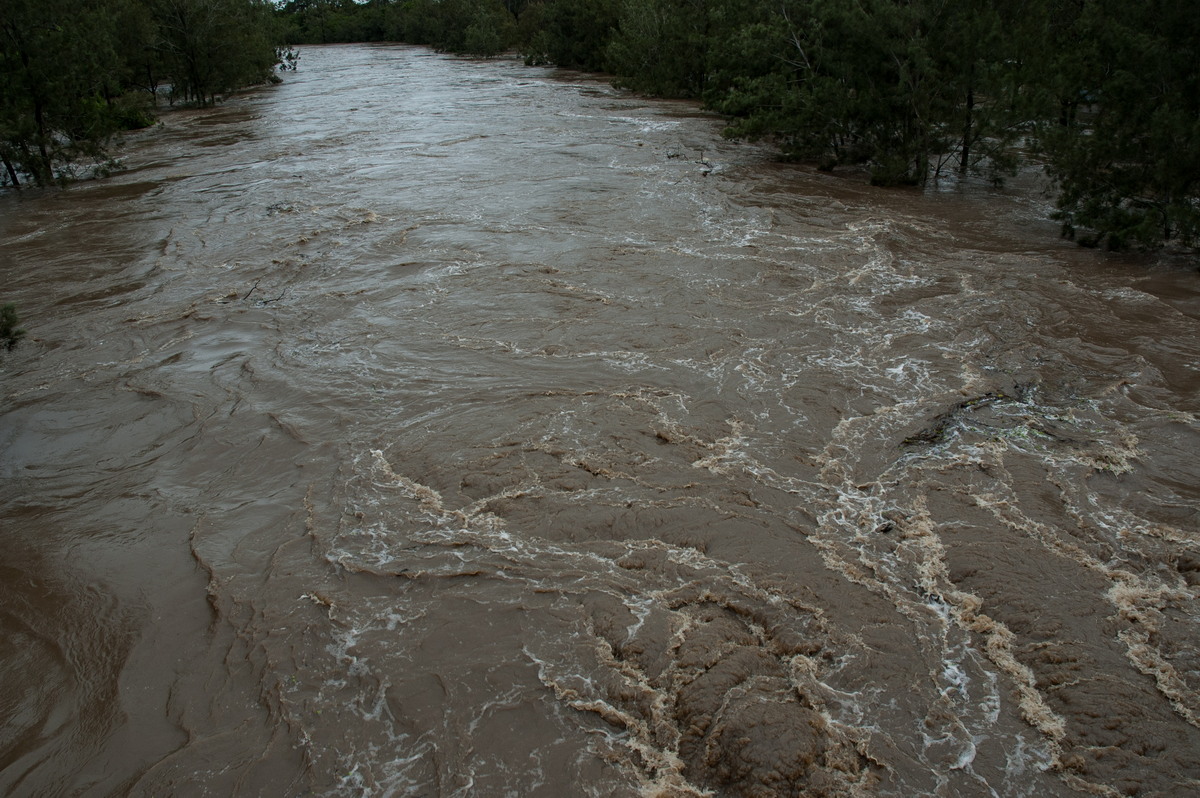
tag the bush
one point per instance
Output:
(9, 332)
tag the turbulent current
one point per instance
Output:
(431, 427)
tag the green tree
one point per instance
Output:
(74, 72)
(1125, 150)
(140, 69)
(215, 46)
(325, 21)
(901, 87)
(57, 65)
(569, 33)
(474, 27)
(852, 83)
(660, 46)
(980, 110)
(10, 334)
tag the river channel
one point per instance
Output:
(423, 426)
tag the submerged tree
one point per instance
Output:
(214, 46)
(475, 27)
(139, 49)
(569, 33)
(10, 334)
(57, 63)
(901, 87)
(661, 46)
(1125, 148)
(73, 72)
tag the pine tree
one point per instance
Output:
(661, 46)
(1125, 150)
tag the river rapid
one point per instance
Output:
(432, 427)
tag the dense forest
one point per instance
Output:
(1104, 93)
(73, 72)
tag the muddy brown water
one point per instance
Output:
(429, 427)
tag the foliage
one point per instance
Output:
(55, 62)
(661, 46)
(1125, 149)
(475, 27)
(74, 73)
(211, 47)
(903, 88)
(324, 21)
(569, 33)
(10, 334)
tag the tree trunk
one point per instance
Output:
(965, 160)
(1066, 112)
(12, 173)
(45, 169)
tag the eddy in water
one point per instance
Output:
(424, 427)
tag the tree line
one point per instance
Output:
(1105, 94)
(73, 72)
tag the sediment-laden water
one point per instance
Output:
(423, 426)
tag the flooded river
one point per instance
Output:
(430, 427)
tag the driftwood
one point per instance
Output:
(262, 302)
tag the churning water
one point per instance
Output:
(423, 426)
